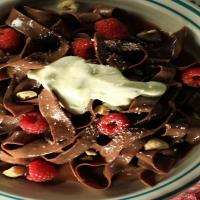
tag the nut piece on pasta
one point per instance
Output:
(15, 171)
(91, 152)
(102, 110)
(26, 95)
(68, 5)
(156, 143)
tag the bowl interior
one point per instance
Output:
(168, 21)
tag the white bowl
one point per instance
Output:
(170, 16)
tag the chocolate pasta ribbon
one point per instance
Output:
(38, 32)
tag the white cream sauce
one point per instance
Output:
(76, 82)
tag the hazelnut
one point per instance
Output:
(156, 143)
(91, 152)
(68, 5)
(26, 95)
(14, 171)
(102, 110)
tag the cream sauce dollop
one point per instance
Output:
(76, 82)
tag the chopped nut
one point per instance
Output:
(102, 110)
(91, 152)
(156, 143)
(69, 5)
(26, 95)
(15, 171)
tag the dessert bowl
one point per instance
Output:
(170, 16)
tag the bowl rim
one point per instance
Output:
(187, 5)
(196, 11)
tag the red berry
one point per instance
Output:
(191, 77)
(83, 47)
(189, 196)
(33, 123)
(112, 29)
(9, 39)
(40, 171)
(113, 124)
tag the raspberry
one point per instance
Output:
(83, 47)
(33, 123)
(189, 196)
(191, 77)
(40, 171)
(112, 29)
(9, 39)
(113, 124)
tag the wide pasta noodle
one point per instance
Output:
(73, 143)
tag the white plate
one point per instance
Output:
(170, 16)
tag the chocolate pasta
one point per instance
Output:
(73, 143)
